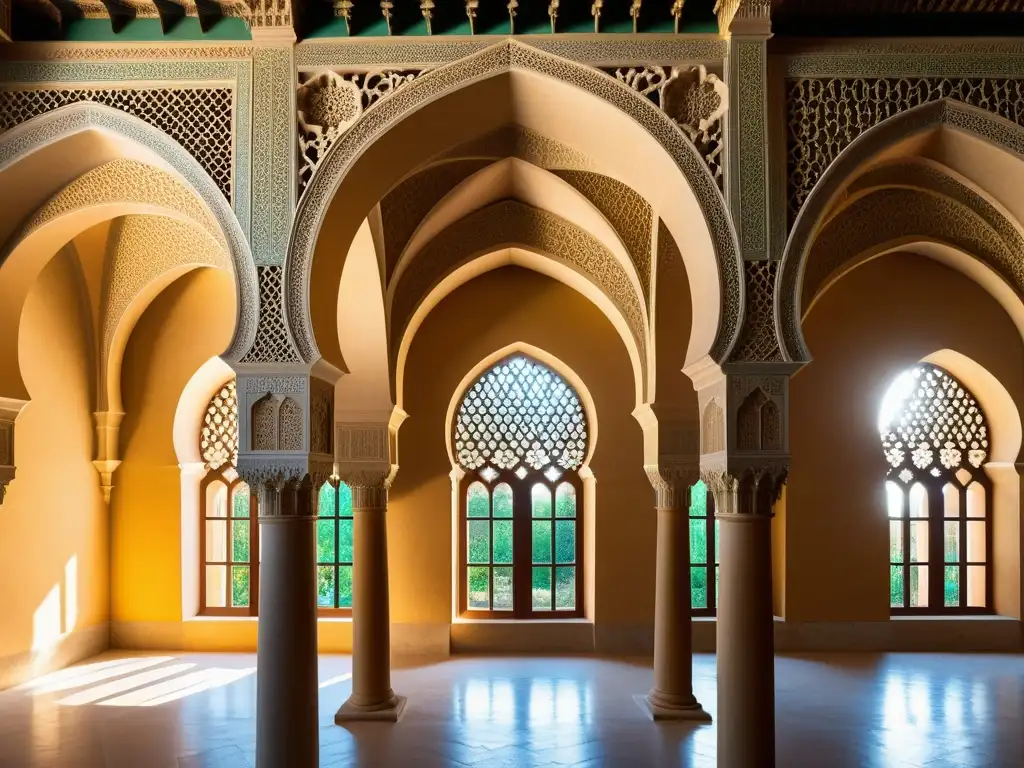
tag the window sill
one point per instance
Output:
(319, 619)
(956, 617)
(521, 622)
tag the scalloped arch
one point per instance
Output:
(54, 126)
(724, 298)
(812, 217)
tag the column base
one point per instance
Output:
(352, 713)
(659, 712)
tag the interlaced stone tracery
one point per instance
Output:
(219, 436)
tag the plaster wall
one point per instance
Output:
(54, 551)
(492, 311)
(872, 324)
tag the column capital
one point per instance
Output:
(366, 452)
(744, 17)
(672, 484)
(9, 410)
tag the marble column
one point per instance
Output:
(372, 697)
(287, 728)
(745, 642)
(672, 697)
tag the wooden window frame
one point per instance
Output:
(936, 562)
(522, 544)
(323, 612)
(218, 476)
(710, 564)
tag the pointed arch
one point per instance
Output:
(497, 86)
(944, 113)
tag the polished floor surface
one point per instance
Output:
(193, 711)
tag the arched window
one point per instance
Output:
(334, 550)
(703, 551)
(521, 436)
(229, 532)
(935, 438)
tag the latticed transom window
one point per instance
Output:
(334, 550)
(703, 551)
(229, 532)
(936, 440)
(521, 435)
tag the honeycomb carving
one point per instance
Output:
(758, 340)
(199, 119)
(273, 343)
(826, 114)
(218, 438)
(329, 103)
(520, 412)
(693, 98)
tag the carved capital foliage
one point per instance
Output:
(744, 17)
(364, 460)
(672, 484)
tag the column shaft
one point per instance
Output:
(372, 697)
(287, 731)
(746, 648)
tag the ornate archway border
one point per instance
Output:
(503, 57)
(944, 112)
(58, 124)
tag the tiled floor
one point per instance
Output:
(150, 711)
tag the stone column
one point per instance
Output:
(372, 697)
(287, 728)
(745, 642)
(672, 697)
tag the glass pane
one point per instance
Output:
(894, 500)
(542, 541)
(541, 496)
(718, 538)
(325, 502)
(698, 541)
(502, 500)
(344, 586)
(479, 541)
(918, 501)
(565, 501)
(919, 586)
(479, 588)
(502, 543)
(325, 541)
(240, 586)
(951, 541)
(975, 500)
(896, 586)
(950, 501)
(699, 500)
(240, 541)
(216, 500)
(503, 589)
(216, 586)
(565, 541)
(951, 586)
(976, 541)
(976, 586)
(542, 589)
(477, 504)
(699, 587)
(325, 586)
(896, 543)
(919, 541)
(216, 541)
(345, 540)
(240, 501)
(344, 500)
(565, 587)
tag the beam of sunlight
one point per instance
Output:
(99, 674)
(336, 679)
(222, 678)
(46, 621)
(67, 673)
(92, 695)
(71, 593)
(896, 395)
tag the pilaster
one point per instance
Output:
(9, 410)
(108, 457)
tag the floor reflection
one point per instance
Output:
(198, 711)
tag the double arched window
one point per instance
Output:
(229, 528)
(521, 436)
(936, 440)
